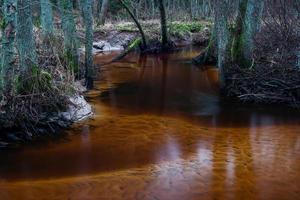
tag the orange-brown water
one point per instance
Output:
(161, 132)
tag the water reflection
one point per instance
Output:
(161, 132)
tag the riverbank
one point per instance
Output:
(118, 36)
(272, 77)
(44, 103)
(48, 125)
(37, 114)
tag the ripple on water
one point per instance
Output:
(161, 132)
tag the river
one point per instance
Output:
(160, 131)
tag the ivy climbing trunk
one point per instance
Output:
(70, 34)
(88, 21)
(47, 18)
(247, 25)
(163, 23)
(7, 50)
(25, 38)
(237, 40)
(103, 11)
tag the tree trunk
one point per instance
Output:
(88, 21)
(96, 8)
(8, 39)
(223, 36)
(103, 12)
(137, 23)
(251, 26)
(237, 49)
(70, 34)
(47, 18)
(25, 37)
(247, 24)
(163, 22)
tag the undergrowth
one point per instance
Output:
(39, 94)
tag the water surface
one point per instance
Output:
(160, 131)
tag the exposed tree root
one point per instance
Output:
(204, 58)
(207, 56)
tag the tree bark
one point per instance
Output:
(247, 24)
(96, 8)
(163, 22)
(223, 36)
(237, 49)
(252, 25)
(7, 50)
(88, 21)
(103, 12)
(47, 18)
(25, 37)
(70, 34)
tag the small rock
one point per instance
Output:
(78, 110)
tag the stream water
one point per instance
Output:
(160, 131)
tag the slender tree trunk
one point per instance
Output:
(25, 37)
(223, 36)
(96, 8)
(47, 18)
(88, 21)
(163, 22)
(136, 22)
(103, 12)
(252, 25)
(8, 39)
(70, 34)
(153, 9)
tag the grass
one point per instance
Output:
(181, 29)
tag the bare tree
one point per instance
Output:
(103, 12)
(163, 22)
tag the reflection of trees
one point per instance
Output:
(232, 166)
(163, 83)
(142, 62)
